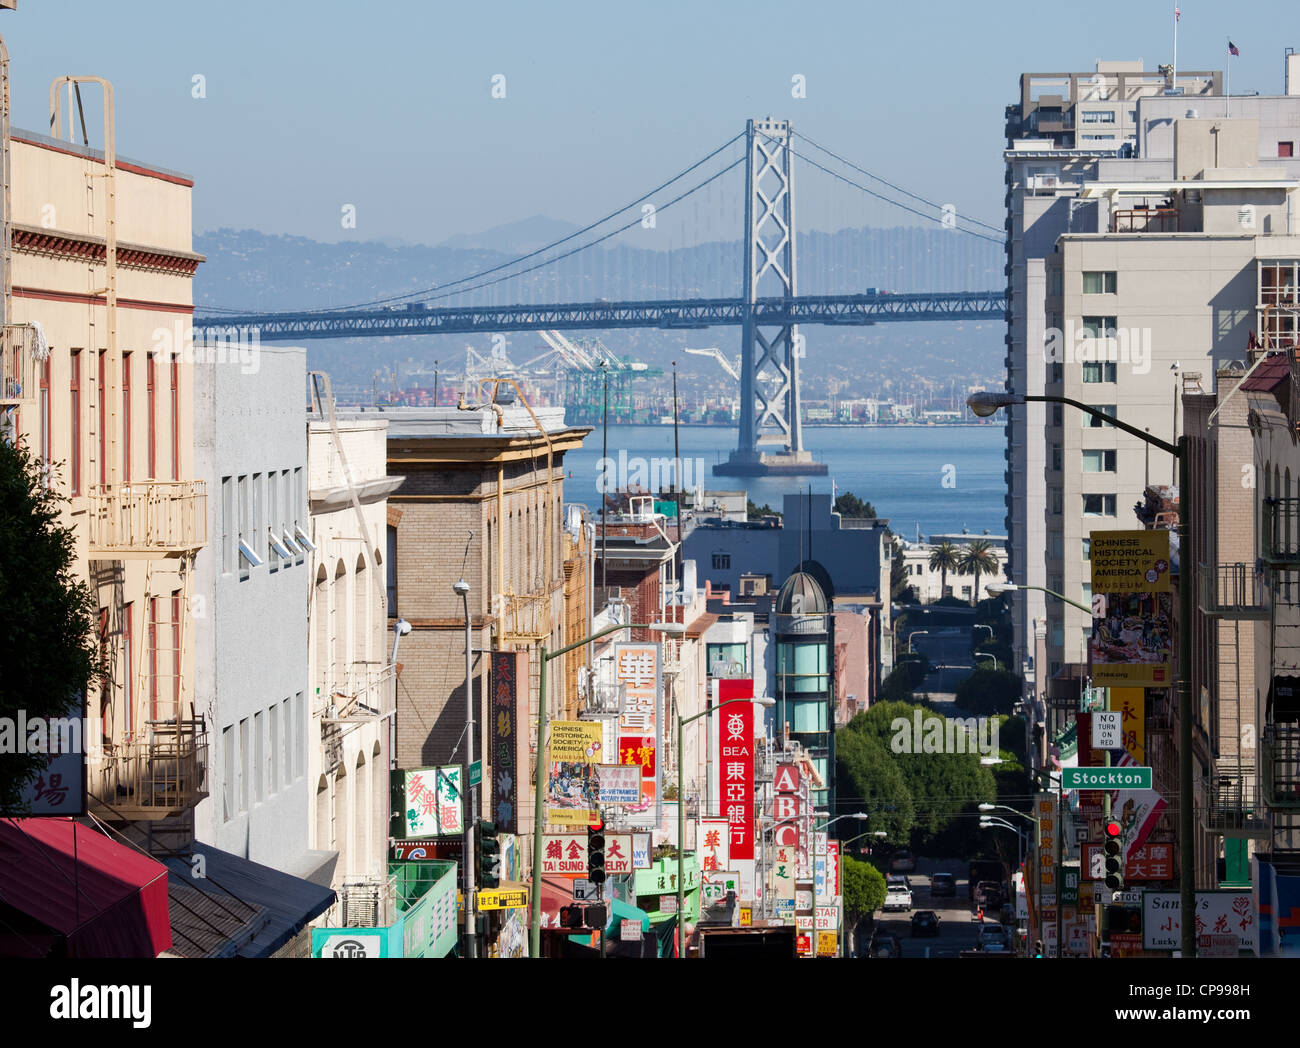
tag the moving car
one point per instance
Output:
(885, 944)
(898, 894)
(993, 938)
(925, 922)
(902, 862)
(989, 896)
(943, 884)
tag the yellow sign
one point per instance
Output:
(576, 741)
(826, 944)
(746, 916)
(1130, 561)
(1131, 702)
(512, 899)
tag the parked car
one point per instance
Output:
(885, 944)
(898, 894)
(925, 922)
(902, 862)
(943, 884)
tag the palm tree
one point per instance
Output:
(943, 559)
(978, 559)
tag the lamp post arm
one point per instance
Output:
(1048, 398)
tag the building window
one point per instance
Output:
(151, 382)
(259, 755)
(1056, 457)
(1092, 422)
(1095, 461)
(1098, 116)
(243, 765)
(391, 568)
(1056, 373)
(1057, 547)
(719, 658)
(1058, 415)
(75, 389)
(273, 751)
(1100, 371)
(1055, 282)
(176, 419)
(152, 641)
(299, 738)
(1100, 282)
(128, 670)
(1056, 583)
(1087, 550)
(1087, 598)
(721, 561)
(1099, 505)
(47, 452)
(227, 515)
(176, 653)
(1058, 634)
(228, 765)
(1055, 501)
(1286, 149)
(1099, 327)
(126, 418)
(101, 402)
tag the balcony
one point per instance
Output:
(19, 378)
(1280, 761)
(1145, 220)
(524, 618)
(1282, 531)
(1232, 805)
(1232, 591)
(158, 777)
(155, 518)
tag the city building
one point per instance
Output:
(927, 581)
(352, 680)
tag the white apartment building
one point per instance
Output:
(348, 756)
(1132, 265)
(927, 582)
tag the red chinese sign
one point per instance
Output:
(637, 671)
(736, 749)
(1149, 862)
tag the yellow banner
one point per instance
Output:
(502, 900)
(1131, 702)
(1130, 561)
(576, 741)
(826, 945)
(571, 816)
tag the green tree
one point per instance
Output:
(849, 505)
(864, 889)
(46, 646)
(867, 779)
(754, 512)
(943, 559)
(987, 691)
(978, 558)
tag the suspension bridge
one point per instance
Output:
(767, 308)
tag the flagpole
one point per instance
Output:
(1228, 82)
(1173, 86)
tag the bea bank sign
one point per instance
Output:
(786, 805)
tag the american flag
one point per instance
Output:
(1232, 49)
(1177, 14)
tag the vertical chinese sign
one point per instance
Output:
(737, 752)
(432, 804)
(637, 670)
(508, 669)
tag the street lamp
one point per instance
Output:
(915, 633)
(985, 625)
(988, 821)
(988, 656)
(851, 815)
(1005, 807)
(766, 703)
(986, 403)
(1012, 587)
(461, 589)
(539, 780)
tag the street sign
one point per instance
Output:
(1130, 778)
(1126, 898)
(476, 773)
(629, 931)
(583, 890)
(511, 899)
(1107, 730)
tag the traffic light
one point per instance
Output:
(1038, 949)
(596, 851)
(489, 855)
(1113, 850)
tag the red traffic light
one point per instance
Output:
(1113, 830)
(597, 823)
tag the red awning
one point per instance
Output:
(108, 901)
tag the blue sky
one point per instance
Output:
(387, 105)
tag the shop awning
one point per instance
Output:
(238, 908)
(81, 893)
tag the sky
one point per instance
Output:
(303, 108)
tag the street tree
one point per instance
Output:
(47, 645)
(864, 889)
(944, 558)
(978, 558)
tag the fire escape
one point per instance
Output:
(1280, 738)
(157, 772)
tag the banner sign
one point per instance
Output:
(572, 794)
(1147, 862)
(618, 853)
(576, 741)
(514, 899)
(736, 747)
(641, 851)
(564, 853)
(833, 865)
(432, 802)
(1216, 913)
(508, 669)
(714, 853)
(638, 670)
(619, 784)
(1132, 608)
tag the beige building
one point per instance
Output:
(102, 260)
(351, 676)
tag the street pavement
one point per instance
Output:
(957, 928)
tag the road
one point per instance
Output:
(948, 649)
(957, 929)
